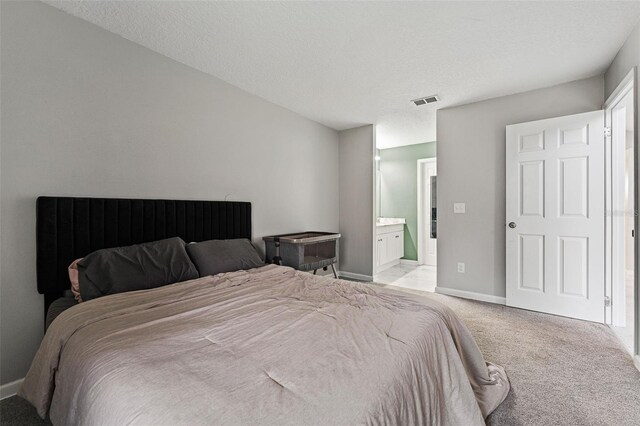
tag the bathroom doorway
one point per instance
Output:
(397, 218)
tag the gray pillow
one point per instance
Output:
(137, 267)
(216, 256)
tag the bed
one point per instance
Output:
(268, 345)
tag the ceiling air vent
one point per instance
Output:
(426, 100)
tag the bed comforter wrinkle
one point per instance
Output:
(267, 346)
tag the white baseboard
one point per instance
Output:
(471, 295)
(409, 262)
(10, 389)
(636, 361)
(353, 276)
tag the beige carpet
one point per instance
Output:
(562, 371)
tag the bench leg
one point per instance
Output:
(314, 271)
(333, 268)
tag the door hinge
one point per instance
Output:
(607, 131)
(607, 301)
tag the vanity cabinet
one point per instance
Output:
(389, 245)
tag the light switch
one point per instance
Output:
(461, 267)
(459, 207)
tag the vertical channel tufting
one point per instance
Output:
(159, 210)
(81, 227)
(237, 223)
(206, 222)
(137, 222)
(68, 228)
(215, 221)
(171, 219)
(46, 242)
(65, 236)
(181, 219)
(222, 211)
(198, 221)
(249, 221)
(111, 223)
(229, 214)
(243, 220)
(96, 224)
(124, 222)
(148, 218)
(189, 214)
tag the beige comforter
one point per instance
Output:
(268, 346)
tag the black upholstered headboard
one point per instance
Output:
(69, 228)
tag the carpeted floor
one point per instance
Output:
(16, 411)
(562, 371)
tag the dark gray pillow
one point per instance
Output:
(137, 267)
(216, 256)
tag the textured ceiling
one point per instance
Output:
(346, 64)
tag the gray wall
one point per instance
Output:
(88, 113)
(399, 188)
(357, 152)
(627, 58)
(471, 169)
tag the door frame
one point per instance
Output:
(421, 224)
(628, 85)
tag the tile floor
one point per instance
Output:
(413, 277)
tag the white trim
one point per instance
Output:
(409, 262)
(623, 87)
(620, 338)
(10, 389)
(421, 161)
(471, 295)
(627, 85)
(353, 276)
(375, 165)
(614, 225)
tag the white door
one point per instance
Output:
(427, 244)
(555, 216)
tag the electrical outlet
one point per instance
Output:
(461, 267)
(459, 208)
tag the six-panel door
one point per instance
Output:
(555, 216)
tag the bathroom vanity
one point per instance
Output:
(389, 242)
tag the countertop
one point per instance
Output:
(388, 221)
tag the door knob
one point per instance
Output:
(512, 225)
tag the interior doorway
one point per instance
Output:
(427, 212)
(621, 189)
(410, 195)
